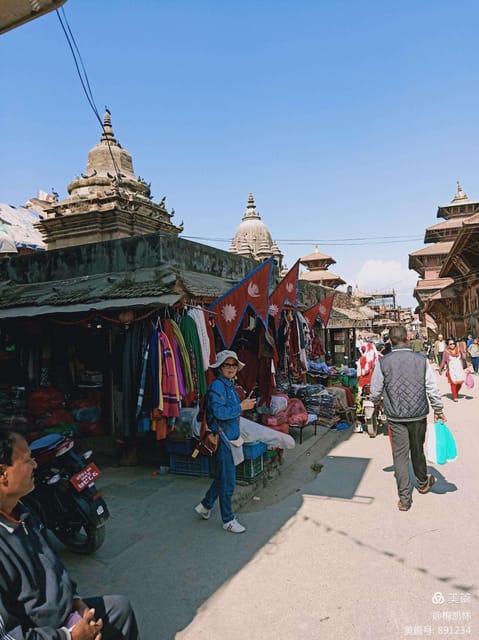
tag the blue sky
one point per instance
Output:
(346, 119)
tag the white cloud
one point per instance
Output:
(382, 276)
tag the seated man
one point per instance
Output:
(38, 600)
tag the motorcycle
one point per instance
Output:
(65, 495)
(373, 416)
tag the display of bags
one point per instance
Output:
(440, 444)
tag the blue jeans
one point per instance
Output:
(475, 364)
(223, 485)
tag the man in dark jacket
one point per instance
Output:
(405, 381)
(38, 599)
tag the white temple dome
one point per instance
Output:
(252, 236)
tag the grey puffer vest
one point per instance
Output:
(404, 393)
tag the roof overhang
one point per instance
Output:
(119, 303)
(348, 319)
(14, 13)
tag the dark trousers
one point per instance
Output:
(408, 438)
(119, 621)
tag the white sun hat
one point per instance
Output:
(223, 355)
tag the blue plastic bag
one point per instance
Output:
(440, 443)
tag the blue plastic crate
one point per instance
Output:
(181, 447)
(249, 470)
(253, 450)
(188, 466)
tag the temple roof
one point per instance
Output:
(321, 275)
(447, 224)
(317, 256)
(438, 248)
(461, 204)
(434, 283)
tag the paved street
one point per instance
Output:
(326, 556)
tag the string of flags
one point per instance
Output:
(253, 292)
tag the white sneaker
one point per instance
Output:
(203, 511)
(233, 526)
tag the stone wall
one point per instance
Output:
(123, 256)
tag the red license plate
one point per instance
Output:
(85, 477)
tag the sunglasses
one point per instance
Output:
(451, 344)
(230, 364)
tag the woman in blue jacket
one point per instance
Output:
(223, 413)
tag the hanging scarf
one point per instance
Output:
(185, 359)
(169, 381)
(190, 334)
(168, 329)
(199, 319)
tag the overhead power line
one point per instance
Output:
(83, 75)
(338, 242)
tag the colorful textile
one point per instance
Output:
(185, 359)
(165, 390)
(199, 319)
(190, 335)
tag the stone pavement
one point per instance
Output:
(161, 555)
(187, 578)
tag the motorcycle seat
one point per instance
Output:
(46, 443)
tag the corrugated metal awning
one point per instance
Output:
(118, 303)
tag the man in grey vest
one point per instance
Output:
(405, 381)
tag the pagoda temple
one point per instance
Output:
(429, 260)
(318, 272)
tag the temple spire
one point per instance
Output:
(107, 128)
(460, 195)
(251, 211)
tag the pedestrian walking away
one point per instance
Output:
(439, 348)
(473, 350)
(38, 599)
(406, 381)
(417, 344)
(454, 362)
(223, 416)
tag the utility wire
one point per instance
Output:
(83, 75)
(339, 242)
